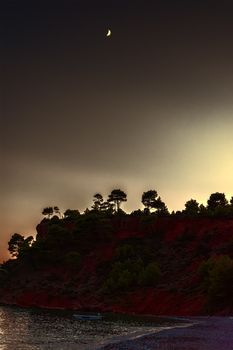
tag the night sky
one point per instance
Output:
(150, 107)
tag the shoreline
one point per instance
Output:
(134, 336)
(181, 333)
(95, 310)
(206, 333)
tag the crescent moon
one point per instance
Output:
(109, 33)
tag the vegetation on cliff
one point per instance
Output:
(149, 261)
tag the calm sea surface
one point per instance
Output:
(32, 329)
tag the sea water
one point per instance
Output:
(29, 329)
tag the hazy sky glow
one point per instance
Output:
(151, 107)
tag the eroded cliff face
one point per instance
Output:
(45, 277)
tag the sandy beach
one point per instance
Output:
(205, 333)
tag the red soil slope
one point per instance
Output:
(178, 292)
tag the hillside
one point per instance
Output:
(144, 265)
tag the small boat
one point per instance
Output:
(88, 317)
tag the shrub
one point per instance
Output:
(217, 276)
(125, 275)
(125, 280)
(72, 260)
(124, 252)
(150, 275)
(221, 280)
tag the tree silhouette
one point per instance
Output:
(48, 211)
(160, 207)
(107, 207)
(71, 213)
(98, 201)
(117, 197)
(191, 207)
(57, 210)
(17, 244)
(216, 200)
(149, 199)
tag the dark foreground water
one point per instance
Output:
(25, 329)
